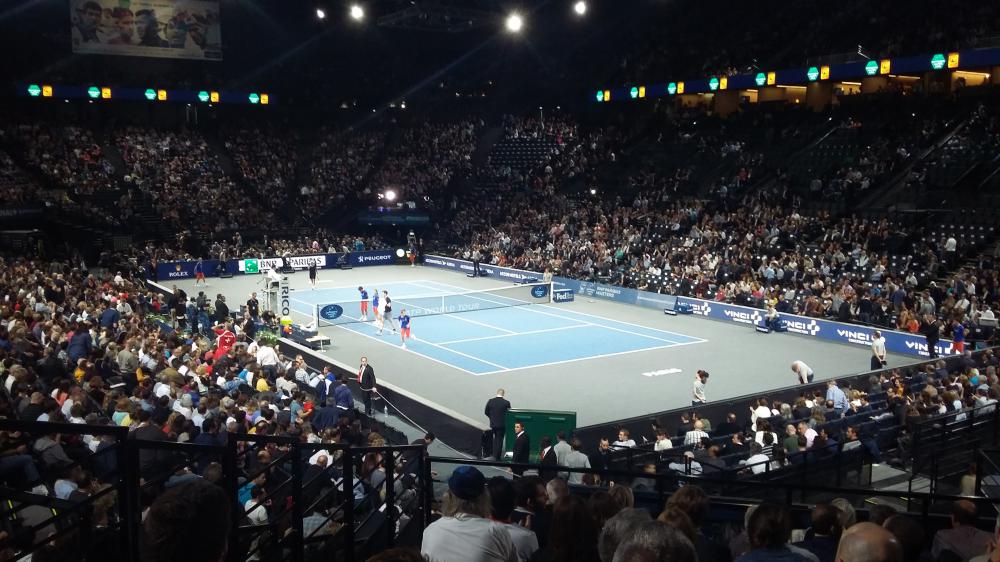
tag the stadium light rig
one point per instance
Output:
(514, 23)
(357, 12)
(580, 8)
(320, 13)
(390, 195)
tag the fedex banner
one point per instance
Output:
(851, 334)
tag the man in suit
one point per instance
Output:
(496, 411)
(522, 447)
(547, 457)
(366, 379)
(221, 309)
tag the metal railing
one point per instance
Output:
(356, 510)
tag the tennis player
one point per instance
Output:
(199, 273)
(364, 303)
(375, 314)
(386, 313)
(312, 273)
(404, 326)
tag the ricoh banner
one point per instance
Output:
(895, 342)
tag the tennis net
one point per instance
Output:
(348, 312)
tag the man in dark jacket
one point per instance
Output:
(522, 447)
(366, 378)
(326, 416)
(221, 309)
(496, 411)
(823, 534)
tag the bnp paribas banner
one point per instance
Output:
(176, 29)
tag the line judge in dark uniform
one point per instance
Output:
(496, 411)
(366, 380)
(522, 447)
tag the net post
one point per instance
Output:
(315, 316)
(552, 287)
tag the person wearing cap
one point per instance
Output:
(465, 533)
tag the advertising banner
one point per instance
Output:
(298, 262)
(505, 273)
(174, 29)
(851, 334)
(377, 257)
(185, 269)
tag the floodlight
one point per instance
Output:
(514, 22)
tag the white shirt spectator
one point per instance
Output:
(525, 541)
(266, 356)
(878, 347)
(757, 463)
(576, 459)
(663, 444)
(467, 538)
(257, 515)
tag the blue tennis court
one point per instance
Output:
(506, 337)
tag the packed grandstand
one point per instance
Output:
(140, 421)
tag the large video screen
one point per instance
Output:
(180, 29)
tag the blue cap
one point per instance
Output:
(467, 483)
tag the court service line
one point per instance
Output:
(434, 359)
(604, 355)
(570, 312)
(473, 357)
(491, 326)
(517, 334)
(567, 311)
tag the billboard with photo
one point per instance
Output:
(176, 29)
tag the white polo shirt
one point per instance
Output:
(467, 538)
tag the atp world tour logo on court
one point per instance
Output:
(331, 312)
(539, 291)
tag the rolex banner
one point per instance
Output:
(177, 29)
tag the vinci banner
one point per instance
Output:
(176, 29)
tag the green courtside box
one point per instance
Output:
(538, 423)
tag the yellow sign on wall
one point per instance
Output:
(884, 66)
(642, 91)
(213, 97)
(265, 99)
(824, 73)
(161, 95)
(46, 91)
(680, 87)
(952, 60)
(771, 78)
(723, 82)
(106, 93)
